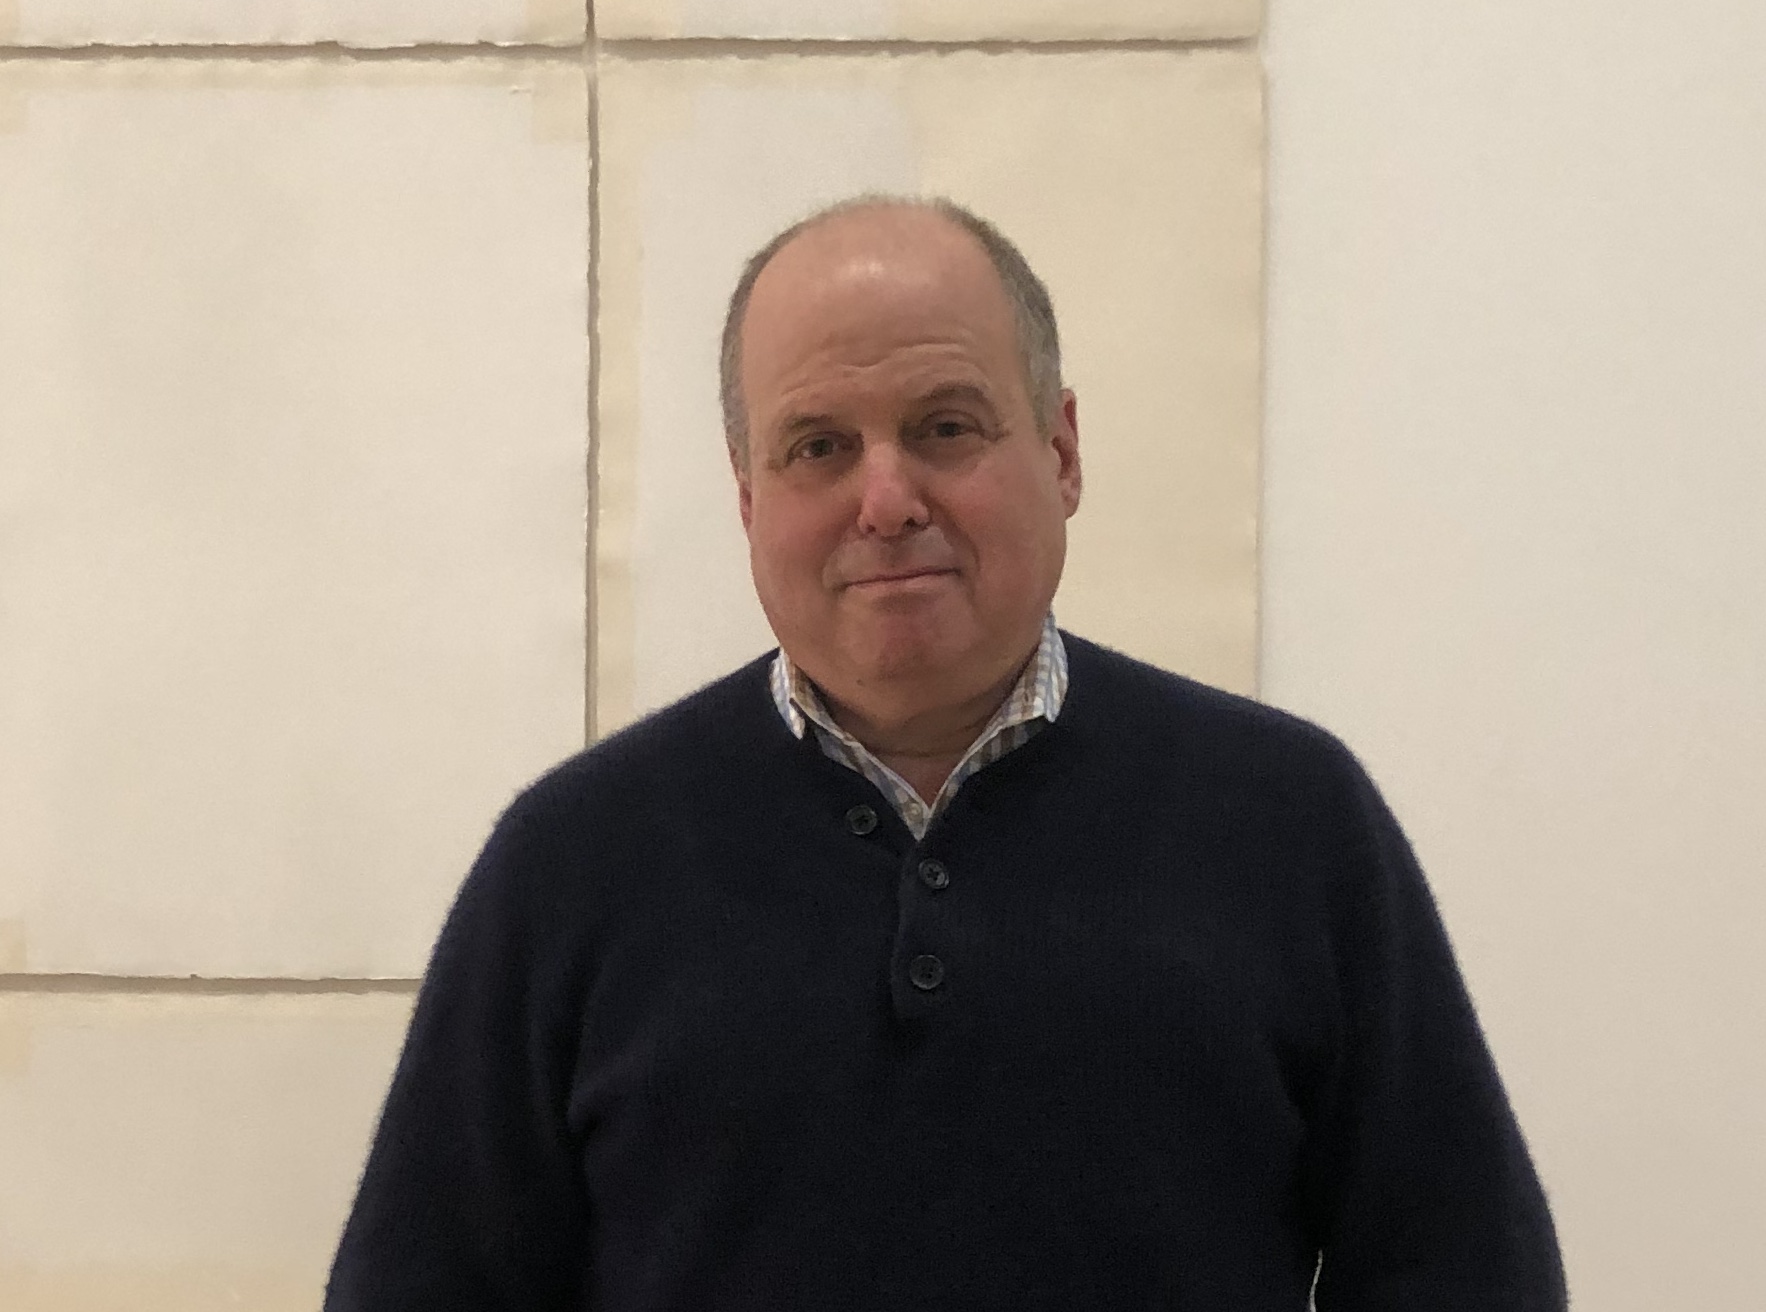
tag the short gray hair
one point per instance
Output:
(1033, 313)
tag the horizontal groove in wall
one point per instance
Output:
(700, 47)
(633, 49)
(571, 54)
(134, 984)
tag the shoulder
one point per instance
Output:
(623, 803)
(680, 747)
(1143, 711)
(1261, 788)
(634, 795)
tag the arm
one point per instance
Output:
(472, 1197)
(1423, 1192)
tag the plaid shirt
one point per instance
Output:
(1032, 705)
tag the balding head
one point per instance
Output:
(892, 220)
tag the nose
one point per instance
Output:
(891, 500)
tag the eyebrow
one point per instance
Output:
(802, 423)
(956, 392)
(940, 395)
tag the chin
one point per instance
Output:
(894, 651)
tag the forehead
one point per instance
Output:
(874, 292)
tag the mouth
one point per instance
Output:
(898, 577)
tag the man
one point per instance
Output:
(943, 960)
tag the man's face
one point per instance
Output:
(906, 519)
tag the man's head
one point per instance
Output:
(904, 489)
(1039, 340)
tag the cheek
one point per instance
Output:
(1014, 528)
(791, 543)
(1003, 517)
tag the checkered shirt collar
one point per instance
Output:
(1033, 703)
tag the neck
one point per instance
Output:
(921, 744)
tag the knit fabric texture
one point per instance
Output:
(1157, 1013)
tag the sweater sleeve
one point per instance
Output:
(472, 1196)
(1424, 1194)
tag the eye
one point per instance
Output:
(819, 446)
(950, 426)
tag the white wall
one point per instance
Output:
(1515, 552)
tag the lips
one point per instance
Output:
(900, 576)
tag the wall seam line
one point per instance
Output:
(630, 48)
(226, 986)
(436, 52)
(592, 455)
(643, 48)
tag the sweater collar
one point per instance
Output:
(1033, 703)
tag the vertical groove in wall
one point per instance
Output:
(592, 447)
(1259, 626)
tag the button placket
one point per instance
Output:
(920, 979)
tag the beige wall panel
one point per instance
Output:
(1132, 180)
(1515, 553)
(183, 1153)
(931, 20)
(290, 22)
(292, 496)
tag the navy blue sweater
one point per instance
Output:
(1156, 1014)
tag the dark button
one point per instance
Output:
(927, 973)
(861, 819)
(933, 874)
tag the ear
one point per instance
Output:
(1064, 437)
(744, 488)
